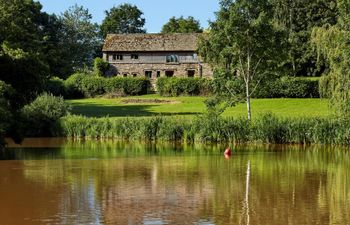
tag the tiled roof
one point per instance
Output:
(150, 42)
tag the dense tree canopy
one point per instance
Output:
(299, 17)
(124, 19)
(333, 42)
(244, 43)
(25, 38)
(5, 109)
(79, 39)
(182, 25)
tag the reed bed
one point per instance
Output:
(267, 128)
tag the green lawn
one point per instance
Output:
(189, 106)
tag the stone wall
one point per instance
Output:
(155, 70)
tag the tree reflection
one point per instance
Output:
(138, 183)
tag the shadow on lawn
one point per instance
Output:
(99, 110)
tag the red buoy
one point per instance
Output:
(227, 152)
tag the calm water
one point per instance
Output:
(131, 183)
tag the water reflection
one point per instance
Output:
(110, 182)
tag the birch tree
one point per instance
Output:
(245, 45)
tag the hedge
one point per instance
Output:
(84, 85)
(285, 87)
(183, 86)
(288, 87)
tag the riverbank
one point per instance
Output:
(267, 128)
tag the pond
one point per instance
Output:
(58, 181)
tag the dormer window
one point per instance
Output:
(172, 59)
(134, 56)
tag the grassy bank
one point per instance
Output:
(263, 129)
(190, 106)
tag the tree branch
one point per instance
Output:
(256, 66)
(251, 93)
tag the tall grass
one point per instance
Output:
(264, 129)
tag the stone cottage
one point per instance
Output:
(154, 56)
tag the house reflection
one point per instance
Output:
(155, 197)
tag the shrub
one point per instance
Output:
(92, 86)
(288, 87)
(56, 87)
(80, 85)
(42, 114)
(136, 86)
(72, 85)
(183, 86)
(100, 66)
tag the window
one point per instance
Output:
(169, 73)
(172, 59)
(134, 74)
(125, 74)
(191, 73)
(134, 56)
(158, 74)
(148, 74)
(119, 57)
(114, 57)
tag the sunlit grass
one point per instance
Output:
(190, 106)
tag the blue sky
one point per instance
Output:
(156, 12)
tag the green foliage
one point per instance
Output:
(288, 87)
(127, 85)
(28, 47)
(124, 19)
(79, 39)
(245, 43)
(92, 86)
(182, 25)
(333, 42)
(56, 86)
(299, 17)
(24, 71)
(6, 117)
(100, 66)
(72, 85)
(269, 129)
(264, 129)
(80, 84)
(174, 86)
(42, 114)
